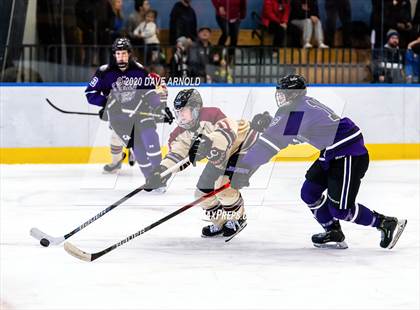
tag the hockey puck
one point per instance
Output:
(44, 242)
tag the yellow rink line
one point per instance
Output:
(83, 155)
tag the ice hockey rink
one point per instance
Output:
(271, 264)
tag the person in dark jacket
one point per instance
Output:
(229, 14)
(275, 17)
(305, 15)
(183, 22)
(342, 8)
(388, 62)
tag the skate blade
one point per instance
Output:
(400, 228)
(332, 245)
(237, 232)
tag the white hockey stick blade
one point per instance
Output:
(400, 228)
(76, 252)
(332, 245)
(38, 234)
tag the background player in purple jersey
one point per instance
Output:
(126, 93)
(342, 163)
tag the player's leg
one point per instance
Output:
(344, 181)
(233, 215)
(212, 207)
(312, 193)
(146, 145)
(116, 153)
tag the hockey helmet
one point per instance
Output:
(188, 98)
(288, 88)
(122, 44)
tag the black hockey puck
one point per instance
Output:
(44, 242)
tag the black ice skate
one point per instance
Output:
(388, 226)
(211, 231)
(333, 238)
(114, 167)
(233, 227)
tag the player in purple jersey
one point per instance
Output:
(126, 93)
(342, 163)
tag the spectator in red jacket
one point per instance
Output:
(275, 17)
(229, 14)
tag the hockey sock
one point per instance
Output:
(358, 214)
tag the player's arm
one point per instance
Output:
(266, 147)
(94, 92)
(178, 150)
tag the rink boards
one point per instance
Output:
(33, 132)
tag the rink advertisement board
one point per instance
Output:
(33, 132)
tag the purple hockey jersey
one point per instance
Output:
(123, 83)
(309, 121)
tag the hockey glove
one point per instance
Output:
(261, 121)
(154, 181)
(240, 177)
(102, 115)
(200, 148)
(166, 115)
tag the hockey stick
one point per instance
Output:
(88, 257)
(46, 239)
(97, 114)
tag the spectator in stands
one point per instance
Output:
(305, 15)
(388, 62)
(397, 15)
(117, 18)
(416, 19)
(200, 53)
(183, 22)
(341, 8)
(147, 30)
(229, 14)
(93, 18)
(219, 71)
(412, 61)
(180, 60)
(135, 18)
(275, 16)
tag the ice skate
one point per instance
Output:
(160, 190)
(211, 231)
(233, 227)
(333, 238)
(391, 229)
(114, 167)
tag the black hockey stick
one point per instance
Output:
(88, 257)
(69, 112)
(46, 239)
(165, 117)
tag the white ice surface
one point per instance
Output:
(270, 265)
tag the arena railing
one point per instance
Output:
(243, 64)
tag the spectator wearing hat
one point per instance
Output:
(388, 62)
(412, 61)
(183, 22)
(275, 16)
(229, 14)
(200, 54)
